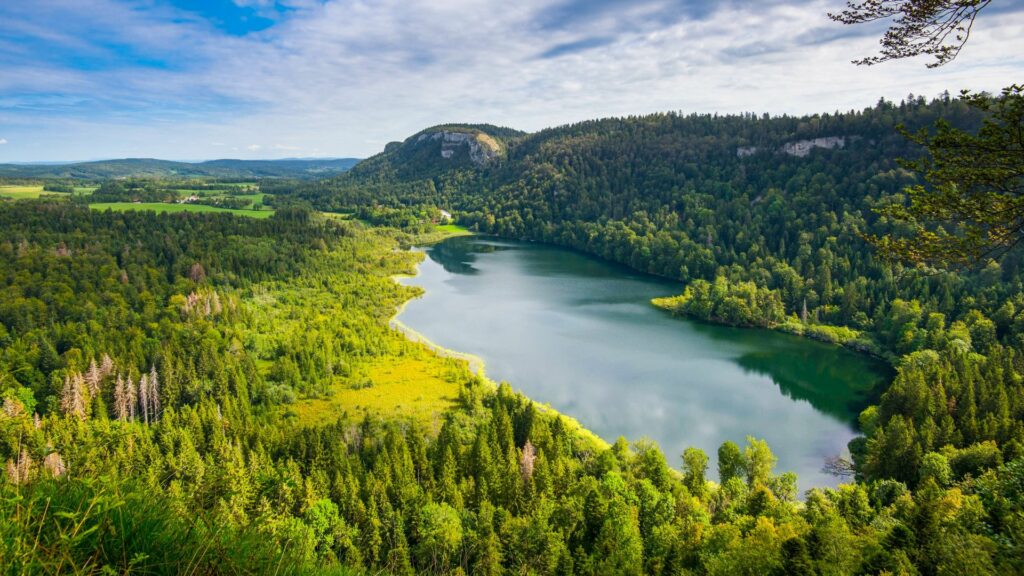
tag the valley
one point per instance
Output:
(558, 288)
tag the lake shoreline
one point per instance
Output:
(853, 345)
(856, 344)
(677, 371)
(475, 364)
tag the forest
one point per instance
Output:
(764, 238)
(147, 403)
(157, 371)
(200, 368)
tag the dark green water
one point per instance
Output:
(580, 334)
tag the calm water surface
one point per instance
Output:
(580, 334)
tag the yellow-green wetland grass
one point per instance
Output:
(419, 385)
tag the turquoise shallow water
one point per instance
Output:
(580, 334)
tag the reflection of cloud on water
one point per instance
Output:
(590, 345)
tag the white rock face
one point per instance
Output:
(802, 148)
(482, 148)
(744, 151)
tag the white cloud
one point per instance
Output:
(351, 72)
(345, 75)
(3, 141)
(286, 147)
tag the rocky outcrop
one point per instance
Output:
(802, 148)
(482, 148)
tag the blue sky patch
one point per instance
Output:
(230, 18)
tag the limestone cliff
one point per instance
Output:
(482, 148)
(802, 148)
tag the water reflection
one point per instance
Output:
(580, 334)
(458, 257)
(802, 375)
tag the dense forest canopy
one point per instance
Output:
(152, 365)
(210, 385)
(765, 221)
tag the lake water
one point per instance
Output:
(580, 334)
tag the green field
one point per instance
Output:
(232, 191)
(33, 191)
(22, 192)
(254, 198)
(454, 229)
(162, 207)
(239, 184)
(441, 232)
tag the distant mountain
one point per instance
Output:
(681, 196)
(149, 167)
(416, 169)
(441, 149)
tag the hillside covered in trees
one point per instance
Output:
(201, 367)
(764, 220)
(164, 377)
(154, 365)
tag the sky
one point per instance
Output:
(203, 79)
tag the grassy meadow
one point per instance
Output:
(174, 208)
(24, 192)
(452, 229)
(420, 386)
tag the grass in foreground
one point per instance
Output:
(162, 207)
(101, 526)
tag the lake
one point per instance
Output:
(580, 334)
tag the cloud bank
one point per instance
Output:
(83, 79)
